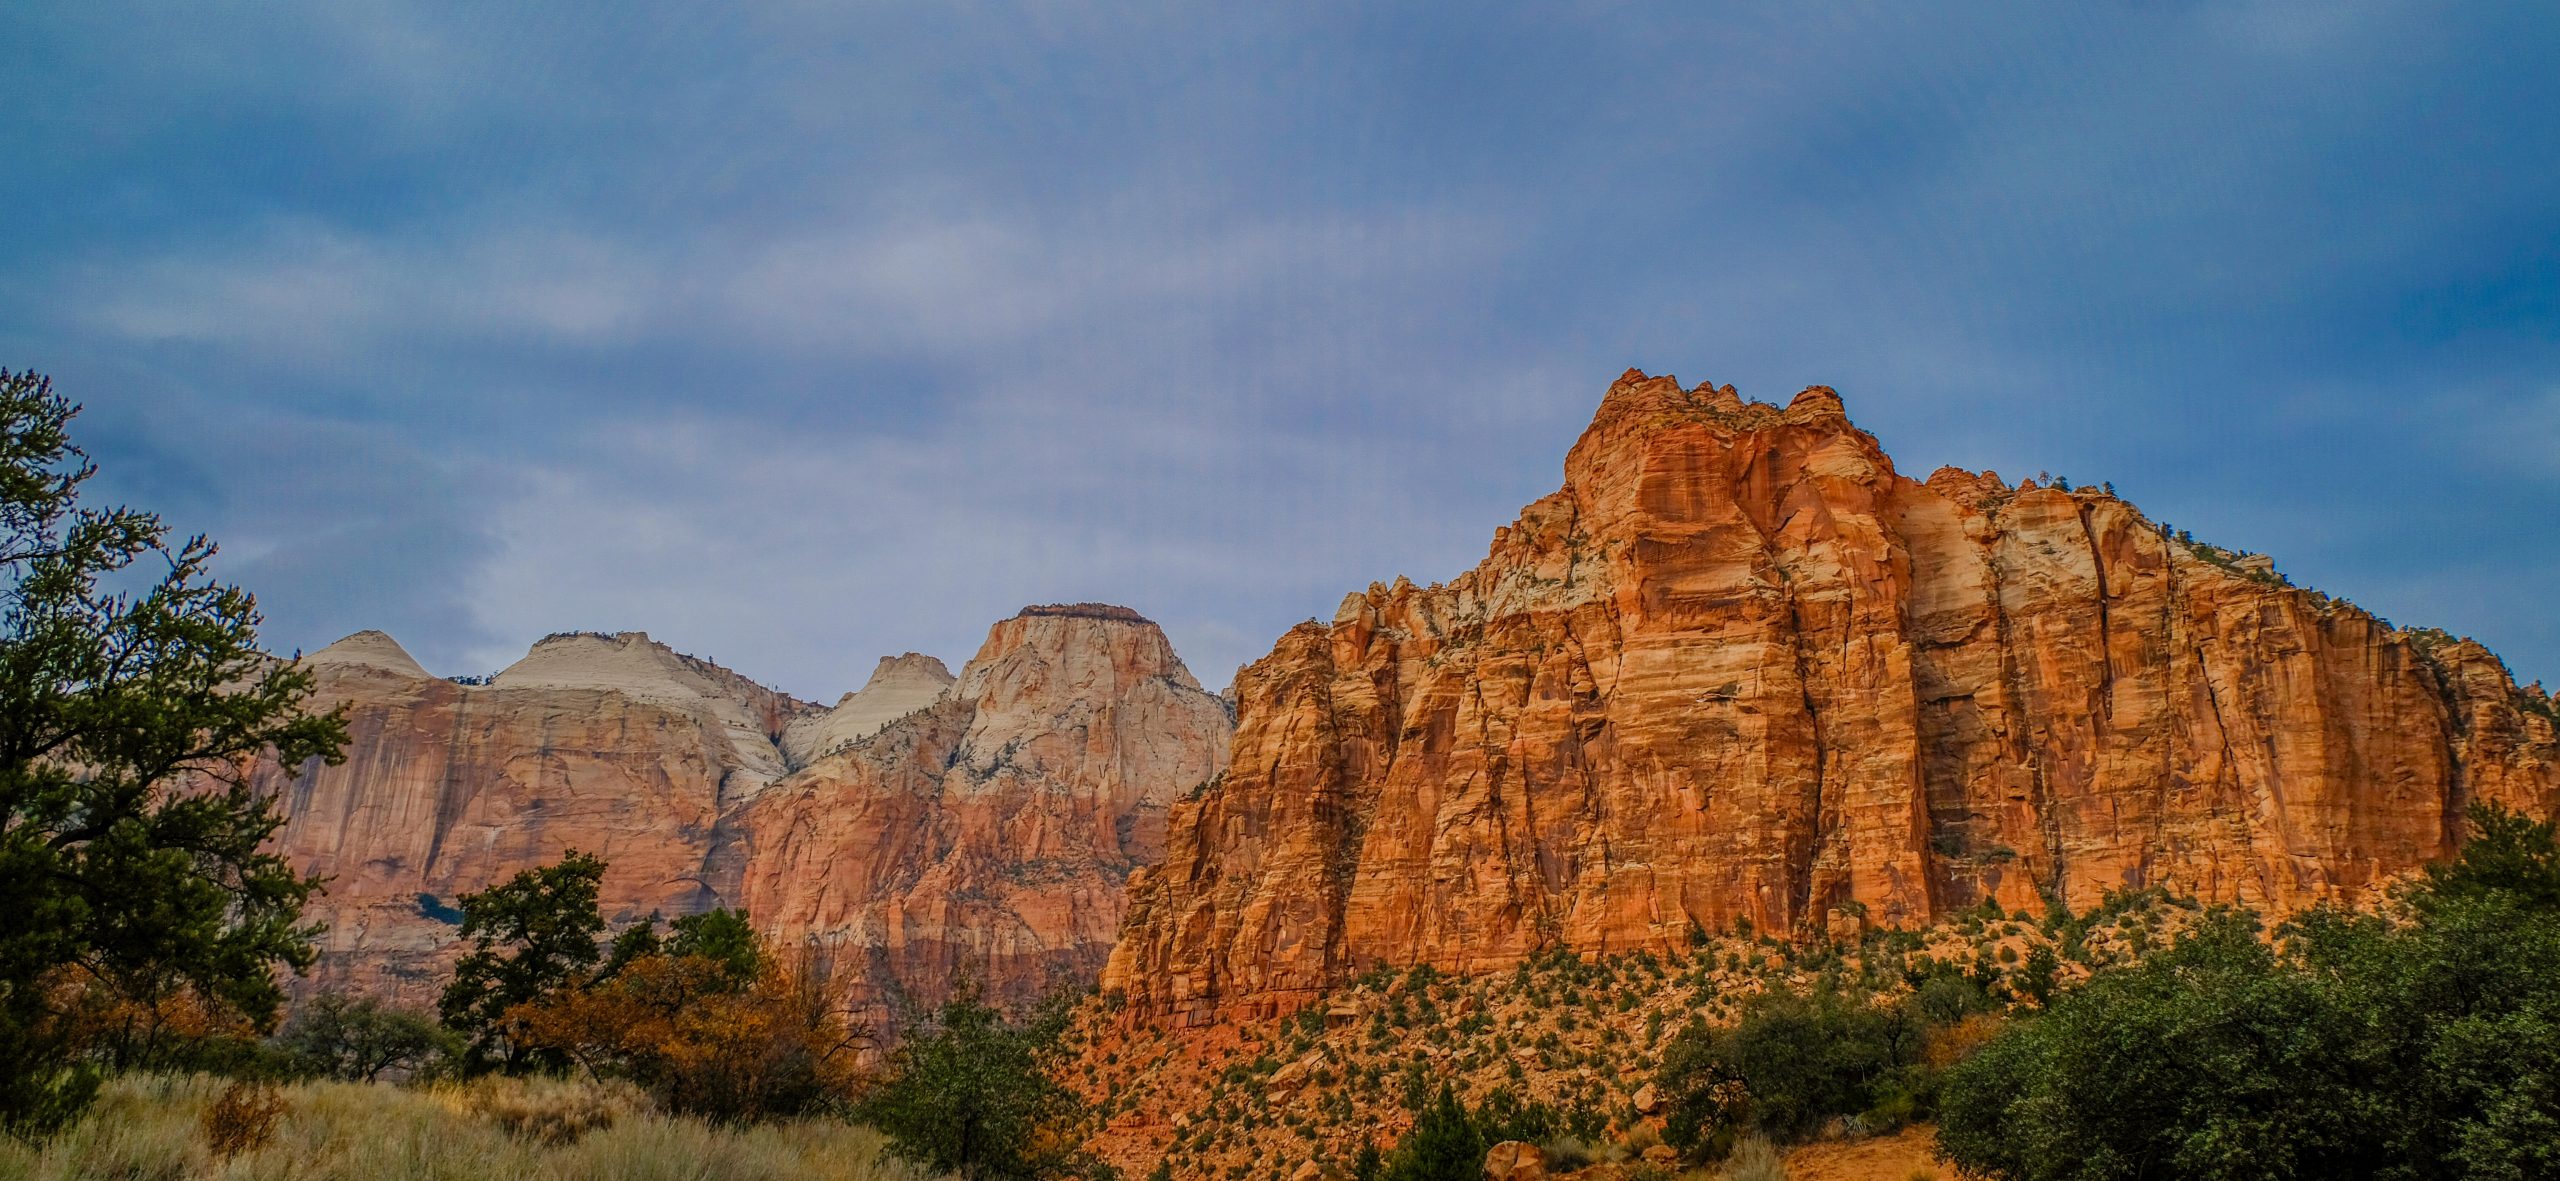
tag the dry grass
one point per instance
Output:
(154, 1129)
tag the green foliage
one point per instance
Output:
(132, 692)
(2508, 857)
(722, 936)
(1368, 1164)
(1791, 1062)
(531, 936)
(1444, 1145)
(2424, 1044)
(969, 1093)
(356, 1039)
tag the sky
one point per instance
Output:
(797, 334)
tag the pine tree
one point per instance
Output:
(532, 935)
(133, 697)
(1444, 1145)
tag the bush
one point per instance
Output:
(2424, 1043)
(970, 1092)
(1792, 1062)
(1444, 1145)
(357, 1039)
(701, 1038)
(242, 1119)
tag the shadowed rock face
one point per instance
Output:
(908, 827)
(1740, 668)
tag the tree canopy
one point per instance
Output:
(2422, 1042)
(531, 936)
(969, 1092)
(133, 700)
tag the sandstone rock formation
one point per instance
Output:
(611, 744)
(1739, 668)
(992, 831)
(923, 824)
(900, 686)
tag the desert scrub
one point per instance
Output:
(153, 1127)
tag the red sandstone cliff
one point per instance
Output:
(993, 828)
(991, 832)
(1740, 668)
(611, 744)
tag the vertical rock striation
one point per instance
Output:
(1739, 668)
(990, 833)
(926, 823)
(614, 745)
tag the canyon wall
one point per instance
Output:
(1739, 668)
(923, 824)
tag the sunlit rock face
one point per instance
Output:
(614, 745)
(990, 834)
(926, 823)
(1740, 668)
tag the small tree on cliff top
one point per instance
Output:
(132, 692)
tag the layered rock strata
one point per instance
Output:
(1740, 669)
(991, 833)
(1012, 799)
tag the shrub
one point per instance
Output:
(1444, 1145)
(241, 1119)
(970, 1092)
(2420, 1044)
(701, 1038)
(1791, 1062)
(359, 1038)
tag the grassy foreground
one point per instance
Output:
(164, 1128)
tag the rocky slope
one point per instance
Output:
(993, 831)
(1739, 668)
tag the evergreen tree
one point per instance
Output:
(1444, 1145)
(969, 1093)
(531, 936)
(133, 696)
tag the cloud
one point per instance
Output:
(810, 332)
(309, 296)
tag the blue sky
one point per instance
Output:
(796, 334)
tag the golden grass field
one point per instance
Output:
(156, 1128)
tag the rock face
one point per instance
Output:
(900, 686)
(923, 824)
(610, 744)
(992, 831)
(1740, 668)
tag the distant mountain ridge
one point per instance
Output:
(619, 746)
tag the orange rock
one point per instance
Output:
(986, 825)
(1738, 668)
(991, 832)
(1515, 1160)
(610, 744)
